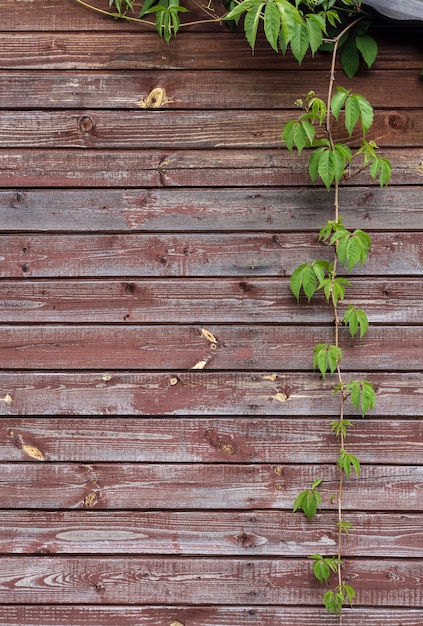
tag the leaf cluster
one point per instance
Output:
(329, 160)
(309, 500)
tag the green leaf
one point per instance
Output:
(313, 164)
(381, 167)
(251, 23)
(352, 113)
(308, 501)
(363, 395)
(306, 277)
(352, 248)
(340, 427)
(272, 24)
(356, 319)
(366, 113)
(299, 41)
(338, 101)
(347, 462)
(368, 48)
(239, 9)
(350, 60)
(315, 28)
(333, 602)
(145, 7)
(326, 357)
(344, 527)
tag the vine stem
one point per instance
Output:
(337, 321)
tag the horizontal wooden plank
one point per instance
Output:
(124, 50)
(228, 209)
(187, 168)
(197, 393)
(205, 90)
(171, 486)
(177, 347)
(185, 130)
(393, 301)
(200, 581)
(200, 616)
(241, 255)
(258, 533)
(190, 440)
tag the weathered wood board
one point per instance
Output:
(139, 244)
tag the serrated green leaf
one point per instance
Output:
(321, 571)
(308, 501)
(381, 167)
(320, 268)
(251, 23)
(352, 113)
(314, 31)
(313, 164)
(347, 462)
(356, 318)
(367, 47)
(300, 137)
(338, 101)
(366, 113)
(326, 357)
(288, 134)
(239, 9)
(362, 395)
(327, 167)
(299, 41)
(272, 24)
(350, 60)
(303, 278)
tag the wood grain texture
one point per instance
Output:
(187, 168)
(256, 300)
(16, 615)
(185, 130)
(182, 347)
(206, 90)
(207, 486)
(243, 582)
(284, 209)
(136, 490)
(110, 393)
(194, 533)
(194, 255)
(195, 51)
(205, 440)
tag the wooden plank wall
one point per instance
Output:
(136, 490)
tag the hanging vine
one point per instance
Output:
(339, 27)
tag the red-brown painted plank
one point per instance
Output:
(198, 393)
(205, 440)
(201, 616)
(200, 581)
(203, 486)
(170, 168)
(191, 533)
(176, 347)
(228, 209)
(185, 130)
(393, 301)
(205, 90)
(176, 255)
(123, 50)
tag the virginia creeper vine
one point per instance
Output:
(340, 27)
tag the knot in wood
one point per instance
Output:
(156, 99)
(86, 124)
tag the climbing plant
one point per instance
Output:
(339, 27)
